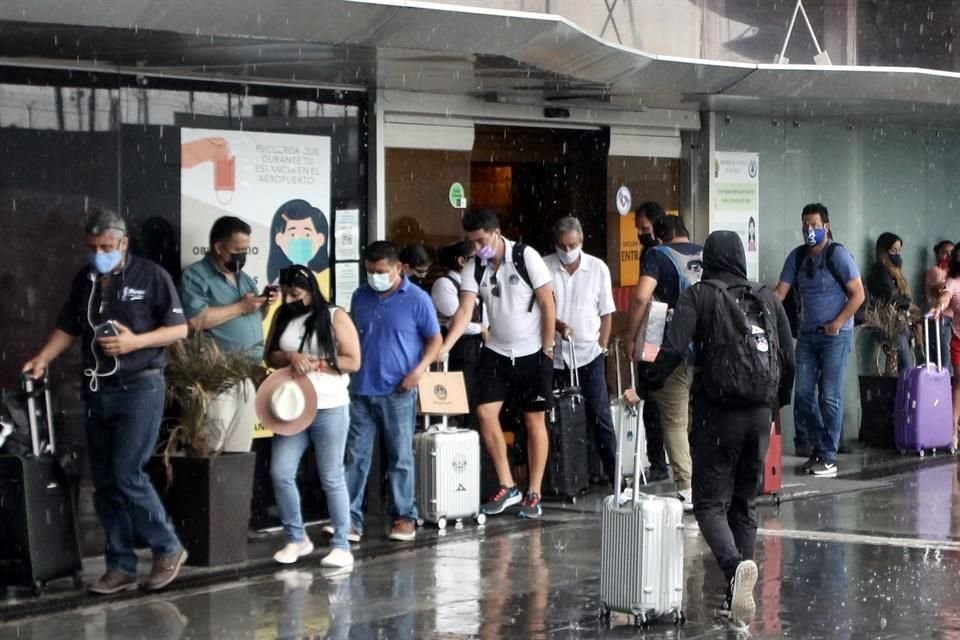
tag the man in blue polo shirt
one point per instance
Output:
(399, 338)
(828, 282)
(126, 311)
(223, 302)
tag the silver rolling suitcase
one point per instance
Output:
(448, 474)
(627, 421)
(641, 553)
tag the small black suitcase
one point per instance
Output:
(38, 535)
(567, 474)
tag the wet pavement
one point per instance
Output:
(878, 562)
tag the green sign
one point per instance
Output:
(458, 197)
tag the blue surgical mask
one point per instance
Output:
(815, 236)
(300, 250)
(379, 282)
(105, 261)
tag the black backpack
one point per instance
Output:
(791, 304)
(740, 358)
(518, 263)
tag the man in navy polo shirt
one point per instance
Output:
(399, 338)
(124, 396)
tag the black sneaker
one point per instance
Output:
(824, 469)
(742, 605)
(657, 474)
(502, 500)
(530, 507)
(809, 464)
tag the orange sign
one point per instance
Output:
(629, 252)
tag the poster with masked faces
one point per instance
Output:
(735, 201)
(276, 182)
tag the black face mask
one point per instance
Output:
(236, 262)
(896, 261)
(297, 307)
(647, 240)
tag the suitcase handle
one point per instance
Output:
(638, 471)
(29, 389)
(926, 343)
(574, 373)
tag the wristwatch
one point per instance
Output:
(605, 351)
(548, 352)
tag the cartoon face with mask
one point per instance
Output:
(299, 233)
(300, 241)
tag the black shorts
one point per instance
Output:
(525, 382)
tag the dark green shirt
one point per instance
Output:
(202, 285)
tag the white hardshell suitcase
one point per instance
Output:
(448, 474)
(641, 551)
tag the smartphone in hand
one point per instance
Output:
(106, 330)
(269, 290)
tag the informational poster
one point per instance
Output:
(735, 201)
(348, 280)
(278, 183)
(346, 234)
(629, 252)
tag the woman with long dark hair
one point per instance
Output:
(950, 299)
(317, 340)
(887, 285)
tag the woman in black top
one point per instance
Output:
(887, 285)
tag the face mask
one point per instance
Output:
(488, 251)
(568, 257)
(106, 261)
(815, 236)
(235, 262)
(647, 240)
(380, 282)
(297, 307)
(896, 261)
(300, 250)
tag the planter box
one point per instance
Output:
(209, 504)
(878, 398)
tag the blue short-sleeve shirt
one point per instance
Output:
(392, 331)
(821, 296)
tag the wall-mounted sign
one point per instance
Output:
(624, 200)
(458, 197)
(735, 201)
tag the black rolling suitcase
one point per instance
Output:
(38, 535)
(567, 474)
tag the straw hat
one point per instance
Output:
(286, 404)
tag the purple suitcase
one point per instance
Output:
(923, 416)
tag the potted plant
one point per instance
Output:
(884, 323)
(207, 492)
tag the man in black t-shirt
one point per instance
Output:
(126, 311)
(669, 266)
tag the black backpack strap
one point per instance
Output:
(798, 263)
(456, 285)
(478, 269)
(832, 266)
(520, 264)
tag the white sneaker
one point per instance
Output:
(339, 558)
(328, 529)
(294, 551)
(686, 497)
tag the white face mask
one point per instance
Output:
(380, 282)
(568, 257)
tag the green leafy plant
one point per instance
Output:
(197, 372)
(886, 323)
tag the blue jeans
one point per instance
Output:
(593, 385)
(393, 416)
(329, 436)
(818, 401)
(123, 424)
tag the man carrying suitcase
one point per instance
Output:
(744, 369)
(126, 311)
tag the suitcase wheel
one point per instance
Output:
(604, 614)
(641, 620)
(679, 619)
(481, 519)
(953, 451)
(921, 453)
(442, 524)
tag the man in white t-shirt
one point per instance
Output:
(516, 363)
(584, 294)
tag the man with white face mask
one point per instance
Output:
(399, 338)
(584, 293)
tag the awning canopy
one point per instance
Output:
(434, 48)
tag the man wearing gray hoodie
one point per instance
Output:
(744, 366)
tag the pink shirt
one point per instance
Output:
(953, 286)
(935, 278)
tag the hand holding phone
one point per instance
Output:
(106, 330)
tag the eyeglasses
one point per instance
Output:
(495, 291)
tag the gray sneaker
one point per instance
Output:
(502, 500)
(530, 508)
(742, 605)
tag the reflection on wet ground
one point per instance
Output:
(830, 567)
